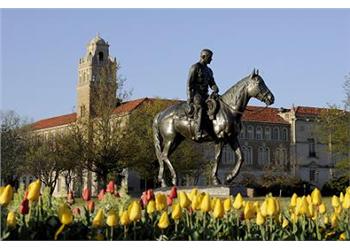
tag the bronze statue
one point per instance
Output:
(172, 125)
(199, 79)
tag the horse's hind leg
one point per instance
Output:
(239, 160)
(214, 173)
(169, 147)
(161, 172)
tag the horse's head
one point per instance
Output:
(257, 88)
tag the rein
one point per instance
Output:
(240, 112)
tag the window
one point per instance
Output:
(100, 56)
(267, 133)
(311, 143)
(258, 133)
(281, 157)
(284, 134)
(313, 175)
(263, 156)
(227, 156)
(275, 133)
(242, 134)
(248, 155)
(250, 132)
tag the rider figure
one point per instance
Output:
(200, 77)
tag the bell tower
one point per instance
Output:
(89, 70)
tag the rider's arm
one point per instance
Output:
(212, 83)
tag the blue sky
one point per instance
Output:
(302, 54)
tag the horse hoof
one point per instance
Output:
(216, 181)
(228, 180)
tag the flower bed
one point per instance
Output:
(29, 215)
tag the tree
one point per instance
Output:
(97, 138)
(44, 159)
(14, 131)
(334, 130)
(138, 145)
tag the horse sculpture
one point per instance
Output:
(172, 125)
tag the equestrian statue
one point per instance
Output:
(203, 118)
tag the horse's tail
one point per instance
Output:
(156, 138)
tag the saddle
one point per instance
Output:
(212, 107)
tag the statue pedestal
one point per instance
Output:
(217, 191)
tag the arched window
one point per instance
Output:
(263, 155)
(258, 134)
(250, 133)
(266, 156)
(267, 133)
(284, 134)
(227, 155)
(242, 134)
(260, 155)
(248, 155)
(275, 133)
(100, 56)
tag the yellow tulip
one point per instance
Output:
(326, 220)
(302, 207)
(135, 211)
(316, 197)
(124, 218)
(335, 201)
(271, 206)
(151, 207)
(227, 204)
(112, 219)
(342, 236)
(65, 214)
(183, 200)
(218, 209)
(341, 197)
(346, 201)
(260, 219)
(193, 194)
(311, 211)
(34, 190)
(1, 189)
(177, 212)
(347, 189)
(196, 202)
(338, 210)
(293, 200)
(98, 220)
(237, 204)
(161, 203)
(11, 219)
(6, 195)
(334, 221)
(308, 199)
(322, 208)
(212, 202)
(278, 206)
(205, 204)
(164, 220)
(263, 208)
(294, 218)
(285, 223)
(249, 210)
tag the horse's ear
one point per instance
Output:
(257, 72)
(252, 74)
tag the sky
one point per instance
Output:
(303, 55)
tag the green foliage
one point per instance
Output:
(336, 185)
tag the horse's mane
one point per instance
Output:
(235, 92)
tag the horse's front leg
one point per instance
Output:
(239, 160)
(218, 152)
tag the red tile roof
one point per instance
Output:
(261, 114)
(253, 113)
(302, 110)
(55, 121)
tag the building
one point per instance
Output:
(270, 137)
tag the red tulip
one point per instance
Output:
(86, 194)
(169, 200)
(149, 194)
(24, 207)
(91, 206)
(173, 192)
(101, 195)
(110, 187)
(144, 199)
